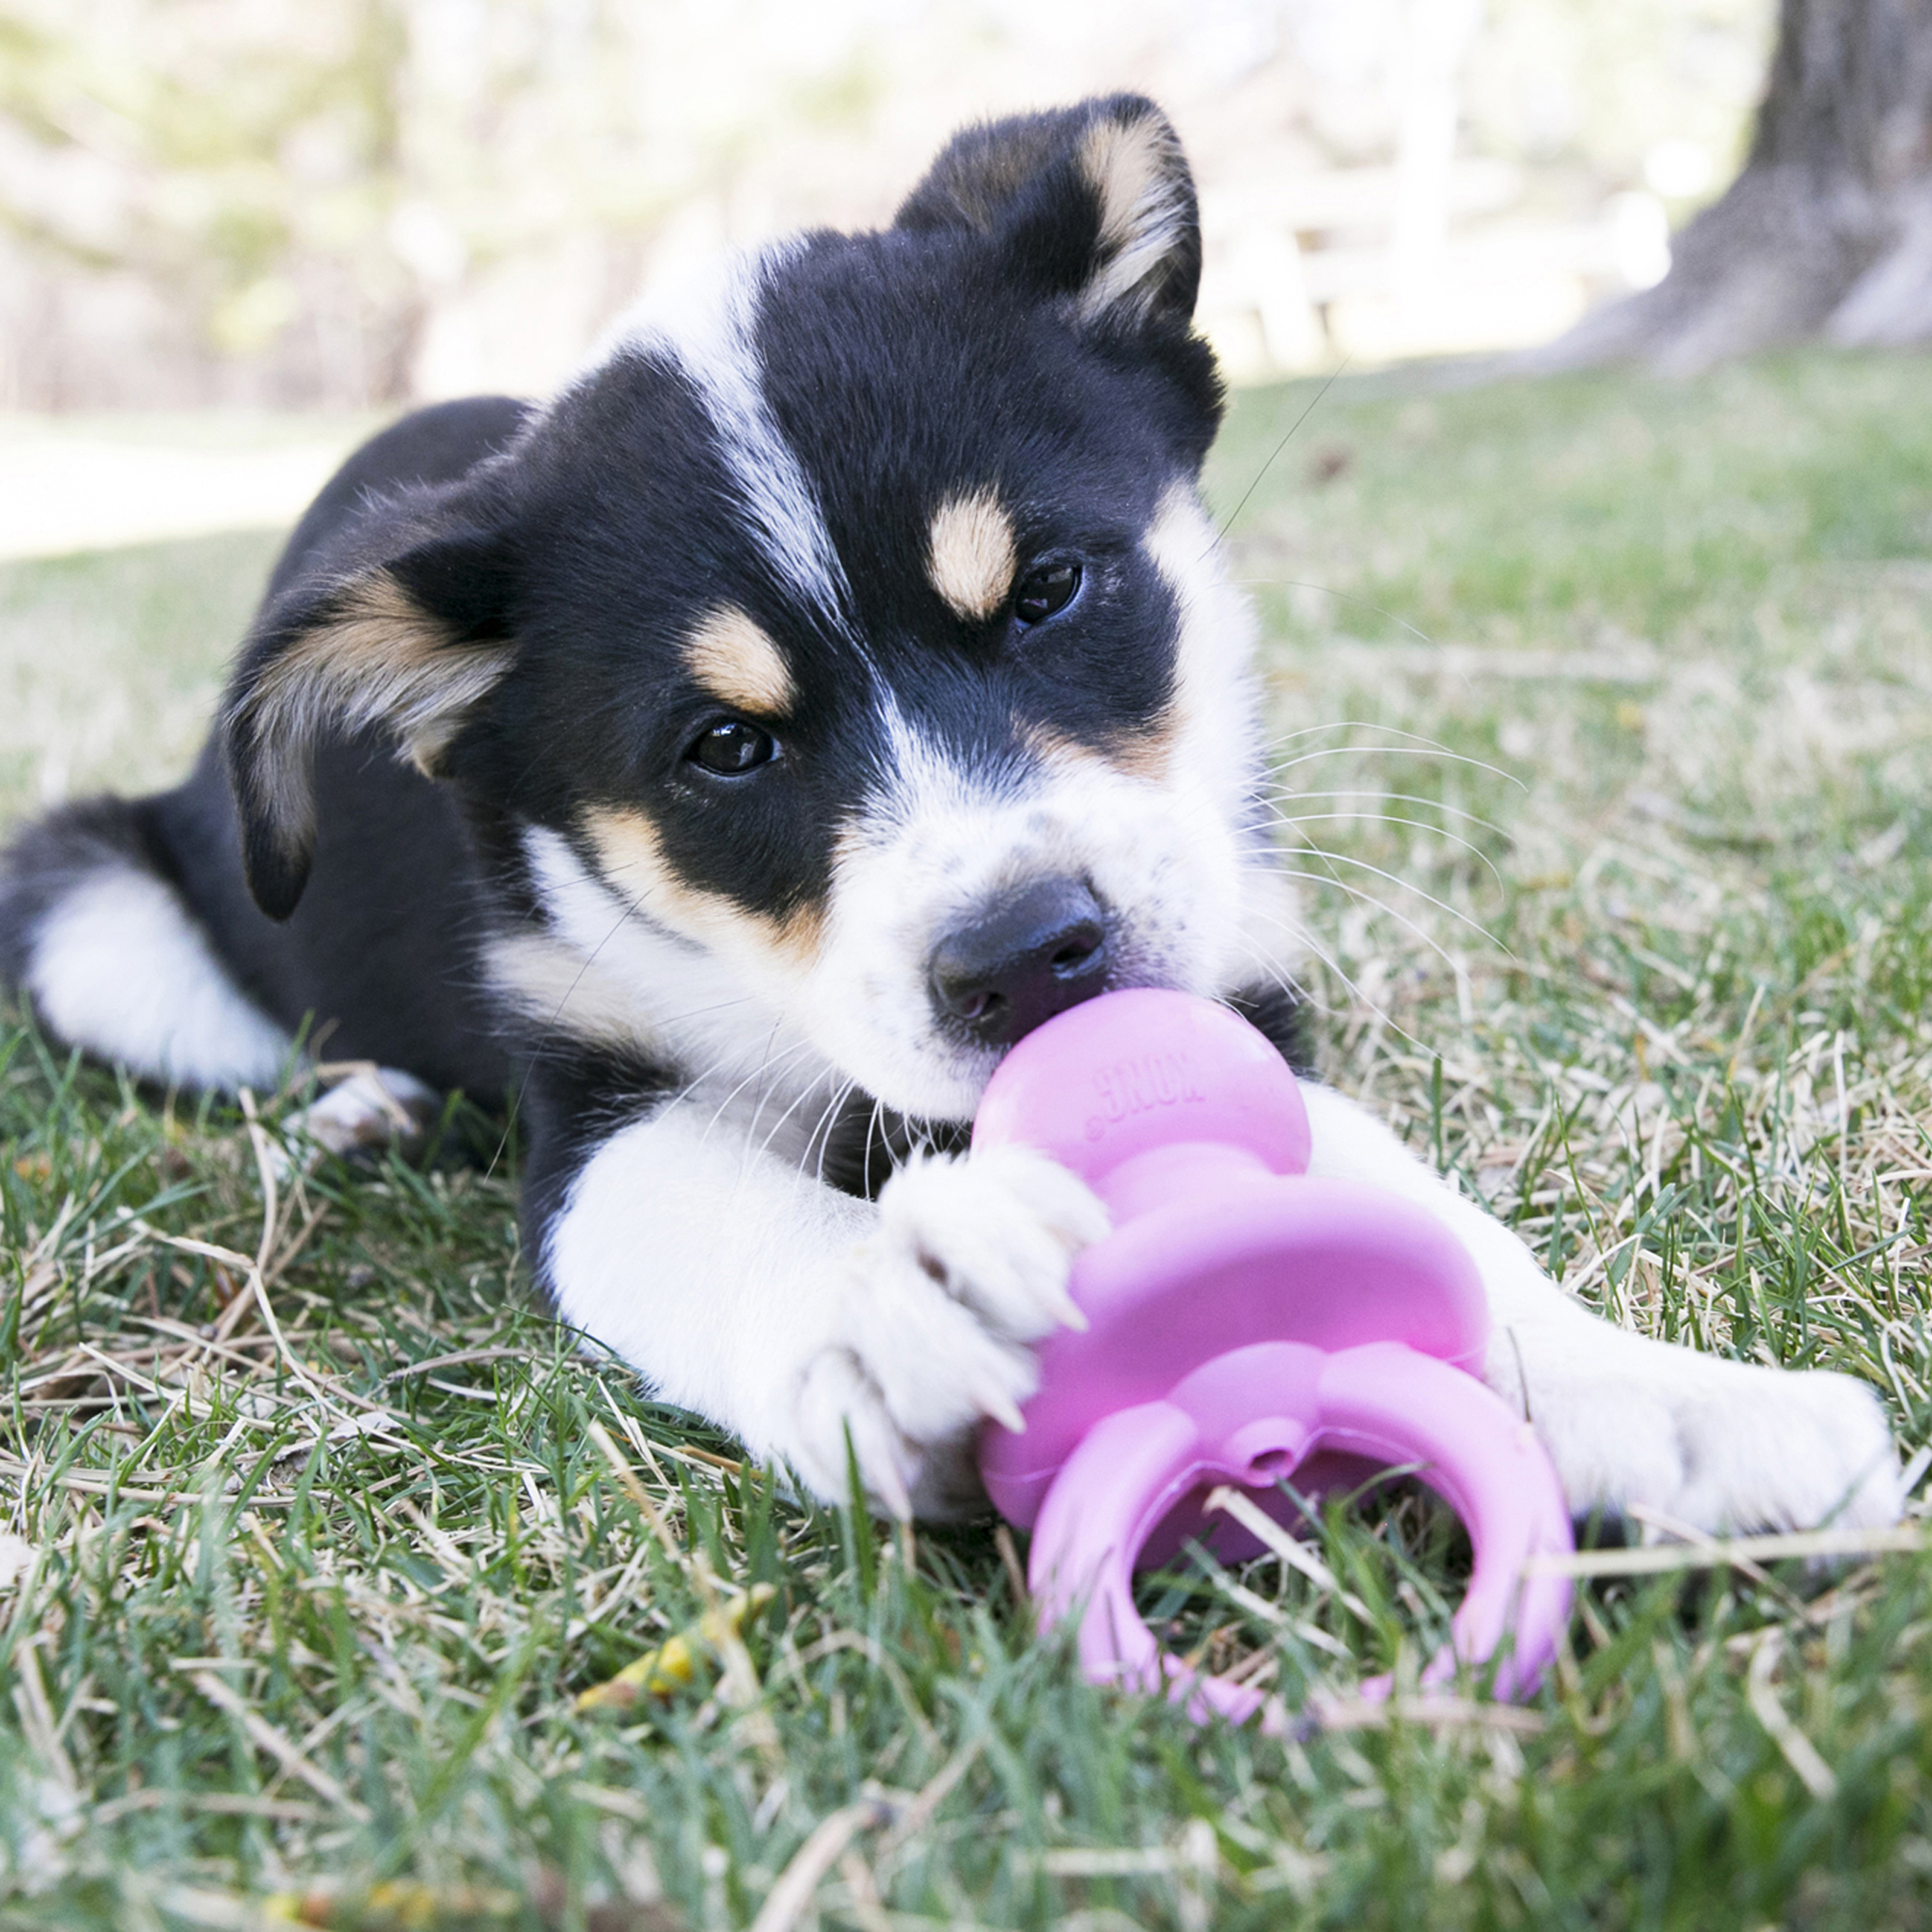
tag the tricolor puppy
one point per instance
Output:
(737, 754)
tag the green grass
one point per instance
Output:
(1654, 984)
(110, 665)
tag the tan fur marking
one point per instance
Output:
(971, 555)
(631, 855)
(1135, 167)
(739, 665)
(1123, 160)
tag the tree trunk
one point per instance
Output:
(1828, 230)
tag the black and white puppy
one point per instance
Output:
(738, 753)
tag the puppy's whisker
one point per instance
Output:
(1288, 819)
(1294, 429)
(563, 1001)
(721, 1068)
(765, 1072)
(543, 1050)
(1380, 906)
(765, 1067)
(828, 1116)
(778, 1126)
(1482, 932)
(1362, 897)
(875, 1125)
(1282, 794)
(1341, 597)
(1305, 940)
(1331, 725)
(631, 909)
(1357, 995)
(1422, 748)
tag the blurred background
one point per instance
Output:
(336, 207)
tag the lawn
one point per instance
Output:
(1604, 718)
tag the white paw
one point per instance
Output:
(936, 1310)
(375, 1106)
(1717, 1445)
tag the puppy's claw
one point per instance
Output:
(996, 1402)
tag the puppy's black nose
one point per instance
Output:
(1028, 957)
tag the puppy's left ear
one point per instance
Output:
(404, 626)
(1093, 203)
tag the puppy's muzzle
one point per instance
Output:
(1020, 961)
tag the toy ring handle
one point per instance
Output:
(1382, 1401)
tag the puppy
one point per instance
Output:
(736, 753)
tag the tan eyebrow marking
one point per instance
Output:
(739, 664)
(971, 554)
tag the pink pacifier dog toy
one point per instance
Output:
(1248, 1323)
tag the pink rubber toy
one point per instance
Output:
(1248, 1323)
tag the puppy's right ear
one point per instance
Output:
(405, 625)
(1093, 203)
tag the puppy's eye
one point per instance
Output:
(1044, 591)
(732, 747)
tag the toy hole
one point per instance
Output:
(1273, 1462)
(1397, 1548)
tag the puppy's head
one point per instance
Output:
(847, 642)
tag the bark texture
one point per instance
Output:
(1828, 230)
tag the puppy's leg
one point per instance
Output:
(1719, 1445)
(748, 1291)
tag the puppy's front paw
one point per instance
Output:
(969, 1265)
(1717, 1445)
